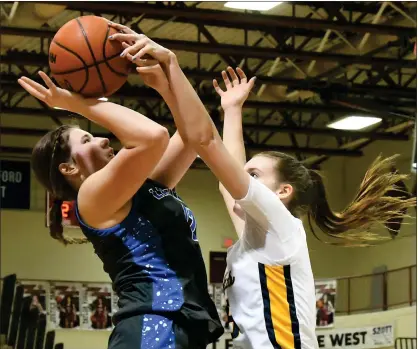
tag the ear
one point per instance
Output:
(68, 169)
(285, 191)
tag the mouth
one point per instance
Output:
(111, 153)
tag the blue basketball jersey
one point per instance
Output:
(155, 263)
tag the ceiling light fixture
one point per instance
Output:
(354, 123)
(252, 5)
(104, 99)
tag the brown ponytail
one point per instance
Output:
(51, 150)
(56, 230)
(381, 199)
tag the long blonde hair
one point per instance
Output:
(373, 204)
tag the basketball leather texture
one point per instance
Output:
(83, 60)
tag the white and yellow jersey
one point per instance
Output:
(269, 281)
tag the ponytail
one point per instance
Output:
(56, 230)
(382, 199)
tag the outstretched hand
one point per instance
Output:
(53, 96)
(237, 89)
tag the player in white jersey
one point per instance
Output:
(271, 287)
(269, 279)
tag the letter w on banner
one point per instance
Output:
(381, 336)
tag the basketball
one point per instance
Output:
(83, 60)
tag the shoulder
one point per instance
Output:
(94, 215)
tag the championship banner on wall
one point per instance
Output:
(64, 302)
(325, 291)
(97, 308)
(362, 338)
(36, 294)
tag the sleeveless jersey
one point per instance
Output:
(269, 281)
(155, 263)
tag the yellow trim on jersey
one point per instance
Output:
(279, 307)
(280, 316)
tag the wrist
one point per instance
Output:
(168, 97)
(170, 60)
(80, 105)
(167, 94)
(232, 108)
(172, 57)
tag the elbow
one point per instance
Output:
(156, 138)
(160, 138)
(200, 139)
(152, 137)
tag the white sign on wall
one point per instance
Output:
(364, 338)
(356, 338)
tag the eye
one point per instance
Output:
(86, 140)
(254, 175)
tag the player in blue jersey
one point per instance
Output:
(128, 209)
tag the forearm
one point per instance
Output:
(192, 120)
(233, 139)
(173, 106)
(131, 128)
(233, 134)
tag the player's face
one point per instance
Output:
(89, 153)
(264, 169)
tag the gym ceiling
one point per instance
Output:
(315, 62)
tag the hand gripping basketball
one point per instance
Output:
(53, 96)
(142, 45)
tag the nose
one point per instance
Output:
(104, 142)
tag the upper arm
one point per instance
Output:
(109, 189)
(265, 207)
(176, 160)
(280, 232)
(237, 221)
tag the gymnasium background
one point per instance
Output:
(28, 251)
(41, 257)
